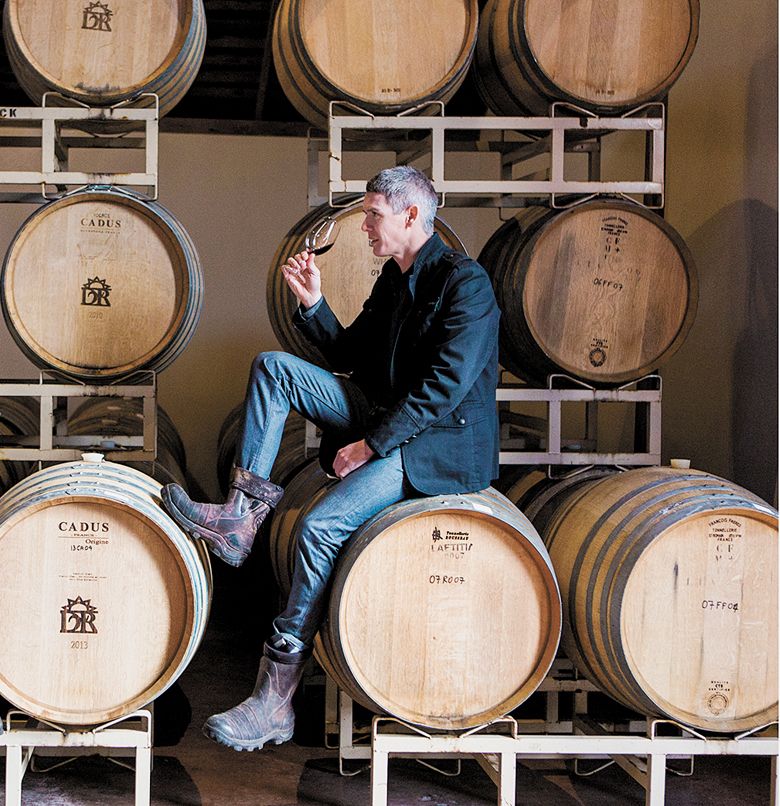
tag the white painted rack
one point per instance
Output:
(634, 744)
(24, 734)
(533, 136)
(59, 125)
(643, 757)
(54, 444)
(562, 390)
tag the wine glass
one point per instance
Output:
(321, 237)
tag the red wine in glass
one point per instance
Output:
(321, 237)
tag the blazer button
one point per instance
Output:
(461, 421)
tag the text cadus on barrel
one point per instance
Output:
(100, 284)
(602, 55)
(102, 53)
(605, 291)
(381, 57)
(105, 599)
(444, 611)
(349, 272)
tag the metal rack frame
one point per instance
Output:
(555, 396)
(53, 444)
(542, 135)
(643, 757)
(635, 745)
(135, 125)
(20, 740)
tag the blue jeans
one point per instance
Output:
(278, 382)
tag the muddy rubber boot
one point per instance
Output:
(228, 529)
(267, 715)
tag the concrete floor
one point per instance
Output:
(190, 769)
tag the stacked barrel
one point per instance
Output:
(667, 577)
(100, 285)
(101, 54)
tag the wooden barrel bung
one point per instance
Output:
(333, 50)
(102, 283)
(605, 291)
(598, 54)
(444, 611)
(102, 53)
(105, 598)
(349, 271)
(669, 584)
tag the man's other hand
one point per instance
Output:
(351, 457)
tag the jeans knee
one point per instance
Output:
(270, 364)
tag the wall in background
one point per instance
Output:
(238, 196)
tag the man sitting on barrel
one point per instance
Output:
(416, 415)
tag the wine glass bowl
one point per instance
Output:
(321, 237)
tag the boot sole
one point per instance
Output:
(221, 550)
(249, 746)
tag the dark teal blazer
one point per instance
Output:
(428, 359)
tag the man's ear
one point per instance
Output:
(411, 214)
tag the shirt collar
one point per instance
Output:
(429, 254)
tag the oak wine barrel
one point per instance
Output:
(538, 494)
(105, 599)
(349, 271)
(104, 53)
(444, 611)
(597, 54)
(670, 593)
(101, 283)
(605, 291)
(334, 50)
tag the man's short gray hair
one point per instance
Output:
(404, 186)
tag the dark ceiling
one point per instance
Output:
(236, 90)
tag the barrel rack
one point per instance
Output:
(24, 735)
(59, 126)
(519, 141)
(541, 148)
(637, 745)
(497, 753)
(53, 444)
(560, 390)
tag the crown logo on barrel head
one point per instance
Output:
(97, 17)
(95, 292)
(78, 616)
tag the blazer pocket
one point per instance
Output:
(463, 416)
